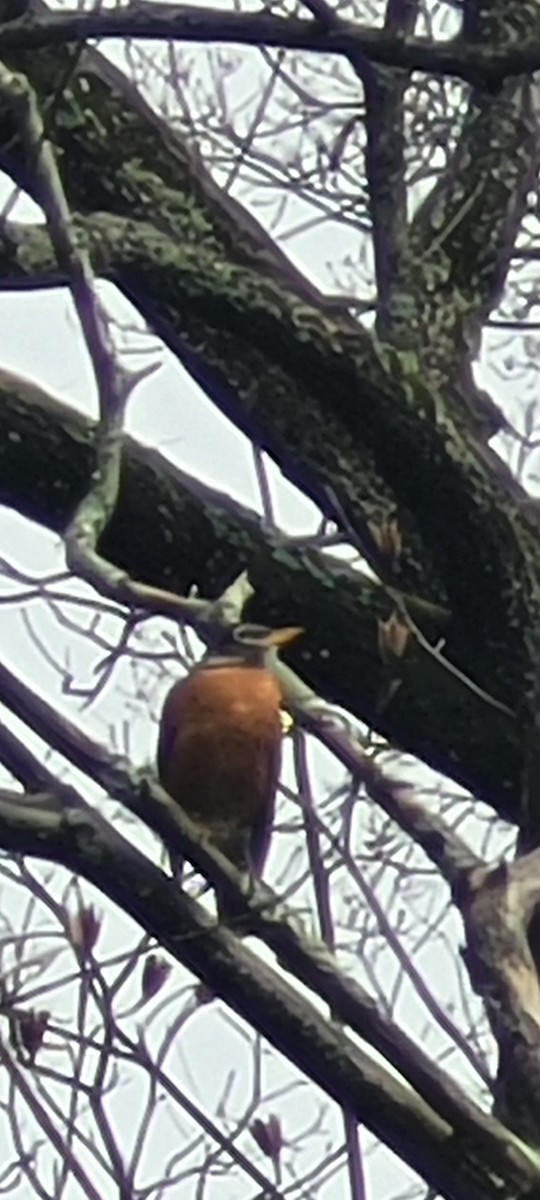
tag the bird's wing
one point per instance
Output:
(168, 728)
(261, 832)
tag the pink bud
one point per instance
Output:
(84, 927)
(393, 637)
(268, 1136)
(155, 973)
(31, 1028)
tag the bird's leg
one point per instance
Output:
(175, 861)
(251, 876)
(251, 881)
(246, 865)
(235, 845)
(177, 864)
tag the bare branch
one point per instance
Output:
(310, 962)
(113, 382)
(61, 1145)
(68, 831)
(71, 256)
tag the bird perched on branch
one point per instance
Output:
(219, 750)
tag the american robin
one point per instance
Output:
(219, 750)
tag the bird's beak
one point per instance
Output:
(282, 637)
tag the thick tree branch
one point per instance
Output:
(385, 162)
(95, 511)
(208, 294)
(170, 192)
(400, 420)
(205, 298)
(464, 232)
(498, 911)
(308, 961)
(172, 531)
(483, 66)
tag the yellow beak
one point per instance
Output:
(282, 637)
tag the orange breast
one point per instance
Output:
(219, 755)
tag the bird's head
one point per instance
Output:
(251, 645)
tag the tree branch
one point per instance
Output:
(463, 234)
(307, 960)
(498, 909)
(174, 531)
(68, 832)
(486, 67)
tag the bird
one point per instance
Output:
(219, 746)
